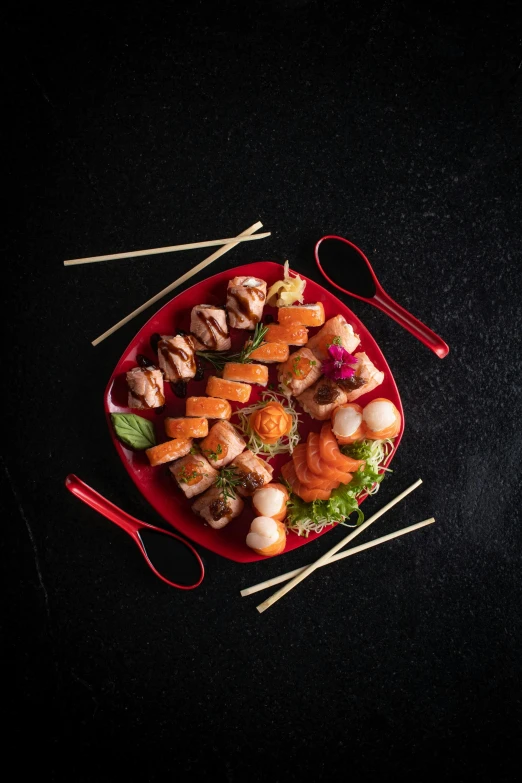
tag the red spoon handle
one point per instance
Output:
(103, 506)
(412, 324)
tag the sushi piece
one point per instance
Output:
(216, 509)
(208, 407)
(306, 477)
(169, 451)
(306, 315)
(322, 398)
(347, 423)
(271, 353)
(334, 327)
(295, 334)
(145, 388)
(177, 357)
(365, 379)
(245, 301)
(266, 536)
(209, 324)
(316, 464)
(381, 419)
(186, 428)
(270, 501)
(193, 474)
(253, 471)
(222, 444)
(248, 373)
(228, 390)
(300, 371)
(330, 452)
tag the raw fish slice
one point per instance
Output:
(329, 450)
(318, 466)
(308, 495)
(305, 475)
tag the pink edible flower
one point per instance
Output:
(338, 366)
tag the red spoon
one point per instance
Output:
(165, 548)
(342, 261)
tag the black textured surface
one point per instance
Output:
(395, 126)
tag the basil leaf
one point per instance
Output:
(134, 431)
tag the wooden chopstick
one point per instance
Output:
(178, 282)
(339, 556)
(170, 249)
(327, 555)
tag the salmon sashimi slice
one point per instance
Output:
(330, 452)
(271, 353)
(305, 476)
(318, 466)
(308, 495)
(306, 315)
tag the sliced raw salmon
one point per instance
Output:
(318, 466)
(306, 476)
(330, 452)
(308, 495)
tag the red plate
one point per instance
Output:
(156, 484)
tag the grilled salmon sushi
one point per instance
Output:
(306, 315)
(271, 353)
(222, 444)
(245, 301)
(177, 357)
(365, 379)
(347, 423)
(247, 373)
(186, 428)
(228, 390)
(254, 472)
(168, 451)
(300, 371)
(334, 327)
(216, 509)
(208, 407)
(193, 474)
(266, 536)
(295, 334)
(209, 324)
(322, 398)
(145, 385)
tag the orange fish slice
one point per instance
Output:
(330, 452)
(318, 466)
(308, 495)
(305, 475)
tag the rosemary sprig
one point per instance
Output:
(227, 481)
(216, 359)
(253, 343)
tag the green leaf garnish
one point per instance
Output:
(134, 431)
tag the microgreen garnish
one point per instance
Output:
(214, 455)
(184, 477)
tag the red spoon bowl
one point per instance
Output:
(140, 531)
(379, 298)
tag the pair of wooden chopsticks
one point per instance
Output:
(331, 556)
(246, 236)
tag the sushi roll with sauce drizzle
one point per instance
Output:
(177, 358)
(216, 509)
(322, 398)
(209, 324)
(365, 379)
(254, 472)
(193, 474)
(145, 385)
(245, 301)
